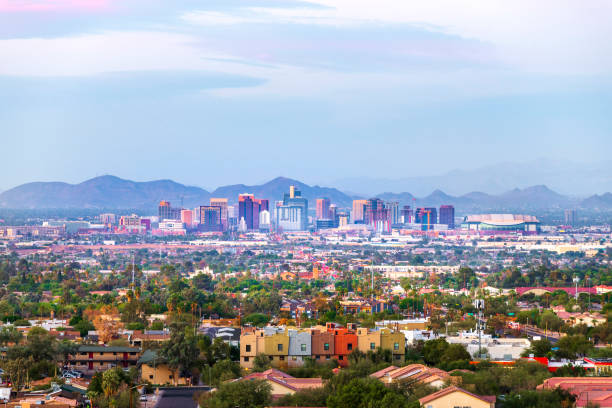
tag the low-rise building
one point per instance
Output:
(454, 396)
(91, 359)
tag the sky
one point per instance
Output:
(215, 92)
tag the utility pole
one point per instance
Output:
(133, 286)
(576, 280)
(479, 304)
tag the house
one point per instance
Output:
(156, 371)
(594, 390)
(454, 396)
(282, 383)
(415, 373)
(229, 335)
(139, 339)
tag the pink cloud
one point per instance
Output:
(8, 6)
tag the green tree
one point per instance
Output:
(181, 351)
(111, 381)
(365, 393)
(239, 394)
(261, 363)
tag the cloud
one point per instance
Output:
(8, 6)
(113, 51)
(555, 36)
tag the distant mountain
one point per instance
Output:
(527, 199)
(114, 193)
(560, 175)
(598, 202)
(102, 192)
(274, 189)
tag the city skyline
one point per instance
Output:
(223, 92)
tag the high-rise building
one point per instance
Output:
(359, 211)
(447, 216)
(264, 220)
(394, 212)
(249, 208)
(427, 216)
(245, 209)
(333, 214)
(107, 218)
(166, 212)
(292, 213)
(210, 218)
(570, 217)
(377, 215)
(407, 216)
(323, 209)
(222, 203)
(187, 218)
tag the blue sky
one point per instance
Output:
(239, 91)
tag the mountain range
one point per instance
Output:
(110, 192)
(565, 177)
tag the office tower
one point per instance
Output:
(264, 220)
(343, 219)
(210, 218)
(447, 216)
(249, 208)
(377, 215)
(166, 212)
(394, 212)
(107, 218)
(323, 209)
(245, 210)
(292, 214)
(221, 203)
(359, 211)
(333, 214)
(570, 217)
(427, 216)
(187, 218)
(407, 215)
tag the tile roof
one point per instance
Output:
(450, 390)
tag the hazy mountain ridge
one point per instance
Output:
(114, 192)
(560, 175)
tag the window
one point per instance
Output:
(248, 348)
(327, 357)
(280, 347)
(150, 376)
(294, 358)
(303, 347)
(114, 354)
(246, 359)
(395, 346)
(326, 346)
(340, 357)
(281, 358)
(270, 357)
(171, 376)
(317, 357)
(372, 346)
(349, 346)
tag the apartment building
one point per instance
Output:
(91, 359)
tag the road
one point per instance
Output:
(531, 331)
(178, 397)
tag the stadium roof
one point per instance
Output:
(501, 219)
